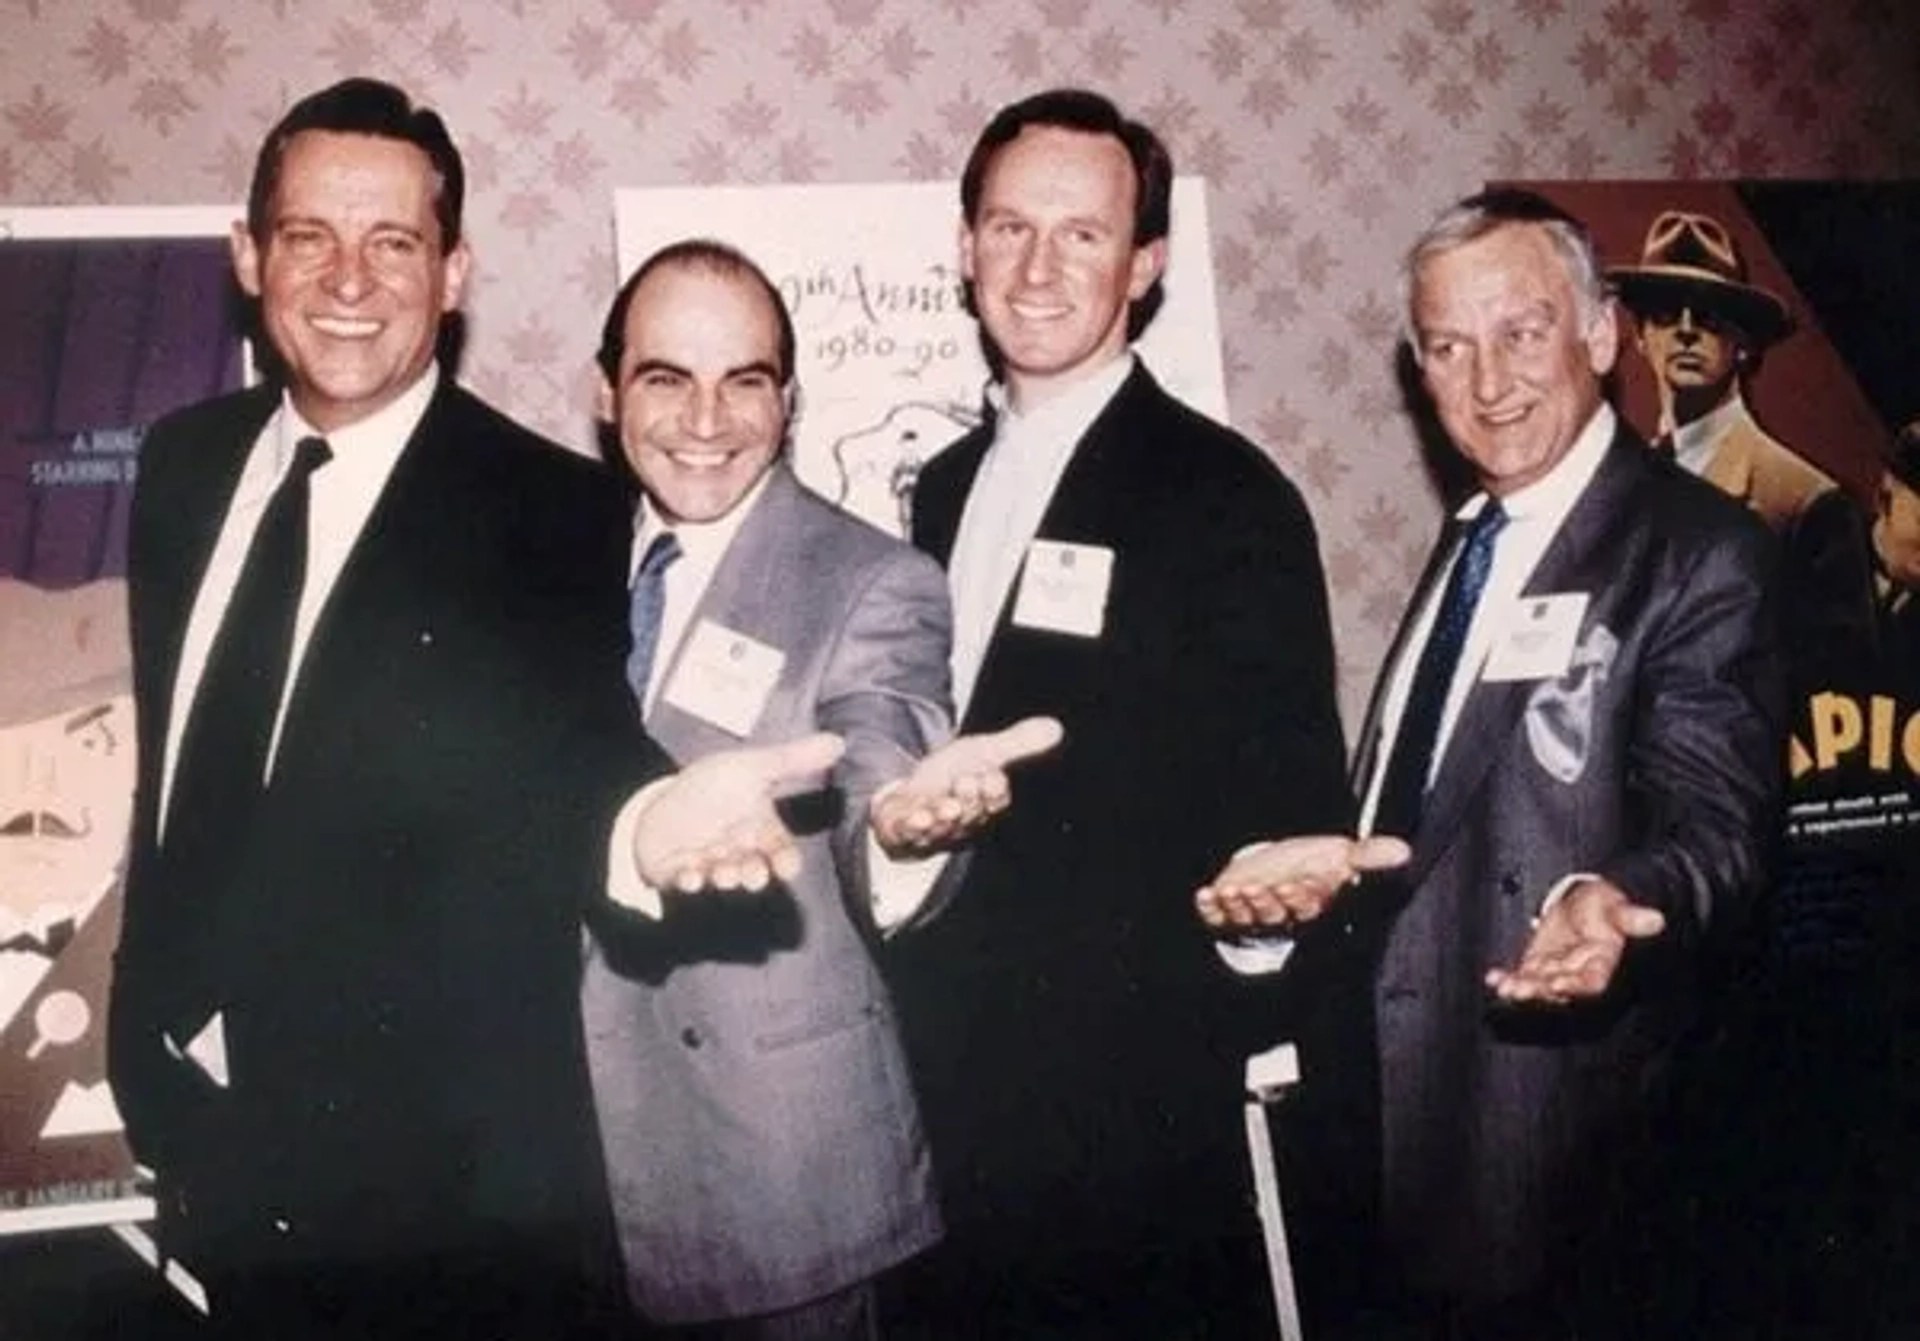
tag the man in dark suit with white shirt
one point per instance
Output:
(383, 737)
(1151, 579)
(1578, 733)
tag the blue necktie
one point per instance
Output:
(648, 604)
(1405, 785)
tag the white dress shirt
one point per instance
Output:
(342, 495)
(1695, 442)
(702, 546)
(1016, 481)
(1534, 516)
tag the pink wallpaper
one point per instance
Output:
(1329, 129)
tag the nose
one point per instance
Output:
(1687, 328)
(1490, 377)
(1039, 263)
(348, 276)
(706, 412)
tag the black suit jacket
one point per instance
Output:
(394, 944)
(1076, 1036)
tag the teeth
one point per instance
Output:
(1037, 311)
(700, 460)
(345, 328)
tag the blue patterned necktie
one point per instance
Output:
(1405, 785)
(648, 604)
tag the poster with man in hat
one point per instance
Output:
(1702, 327)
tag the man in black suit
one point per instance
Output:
(1149, 578)
(378, 632)
(1578, 733)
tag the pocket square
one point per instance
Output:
(1560, 712)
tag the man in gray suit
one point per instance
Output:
(1578, 733)
(761, 1138)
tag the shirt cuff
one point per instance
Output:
(1559, 892)
(899, 886)
(625, 885)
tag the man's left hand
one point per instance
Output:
(1577, 946)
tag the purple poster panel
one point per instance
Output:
(99, 336)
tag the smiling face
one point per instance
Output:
(1513, 362)
(350, 272)
(1051, 255)
(698, 398)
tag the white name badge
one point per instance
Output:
(724, 678)
(1536, 639)
(1063, 588)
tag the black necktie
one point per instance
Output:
(1405, 784)
(223, 752)
(644, 611)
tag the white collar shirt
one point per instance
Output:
(1695, 443)
(1535, 514)
(702, 546)
(1017, 478)
(342, 497)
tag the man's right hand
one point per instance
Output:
(713, 824)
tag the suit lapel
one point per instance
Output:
(1492, 712)
(1081, 511)
(743, 584)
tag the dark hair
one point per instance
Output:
(1081, 110)
(696, 253)
(363, 107)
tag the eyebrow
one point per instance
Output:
(762, 366)
(81, 720)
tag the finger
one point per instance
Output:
(1639, 922)
(1379, 853)
(1026, 738)
(798, 759)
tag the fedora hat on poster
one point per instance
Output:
(1690, 260)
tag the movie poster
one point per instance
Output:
(889, 362)
(1765, 331)
(108, 319)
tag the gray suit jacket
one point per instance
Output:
(761, 1136)
(1655, 760)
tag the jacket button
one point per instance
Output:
(1510, 884)
(690, 1036)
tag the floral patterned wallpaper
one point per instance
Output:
(1329, 131)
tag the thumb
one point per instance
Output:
(797, 760)
(1380, 853)
(1638, 921)
(1023, 740)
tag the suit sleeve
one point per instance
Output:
(1707, 756)
(887, 691)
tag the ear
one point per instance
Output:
(604, 407)
(1602, 339)
(966, 251)
(246, 260)
(453, 272)
(1148, 264)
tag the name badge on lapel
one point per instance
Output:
(1063, 588)
(1536, 639)
(724, 678)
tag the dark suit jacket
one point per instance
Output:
(1514, 1139)
(760, 1130)
(393, 943)
(1077, 1038)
